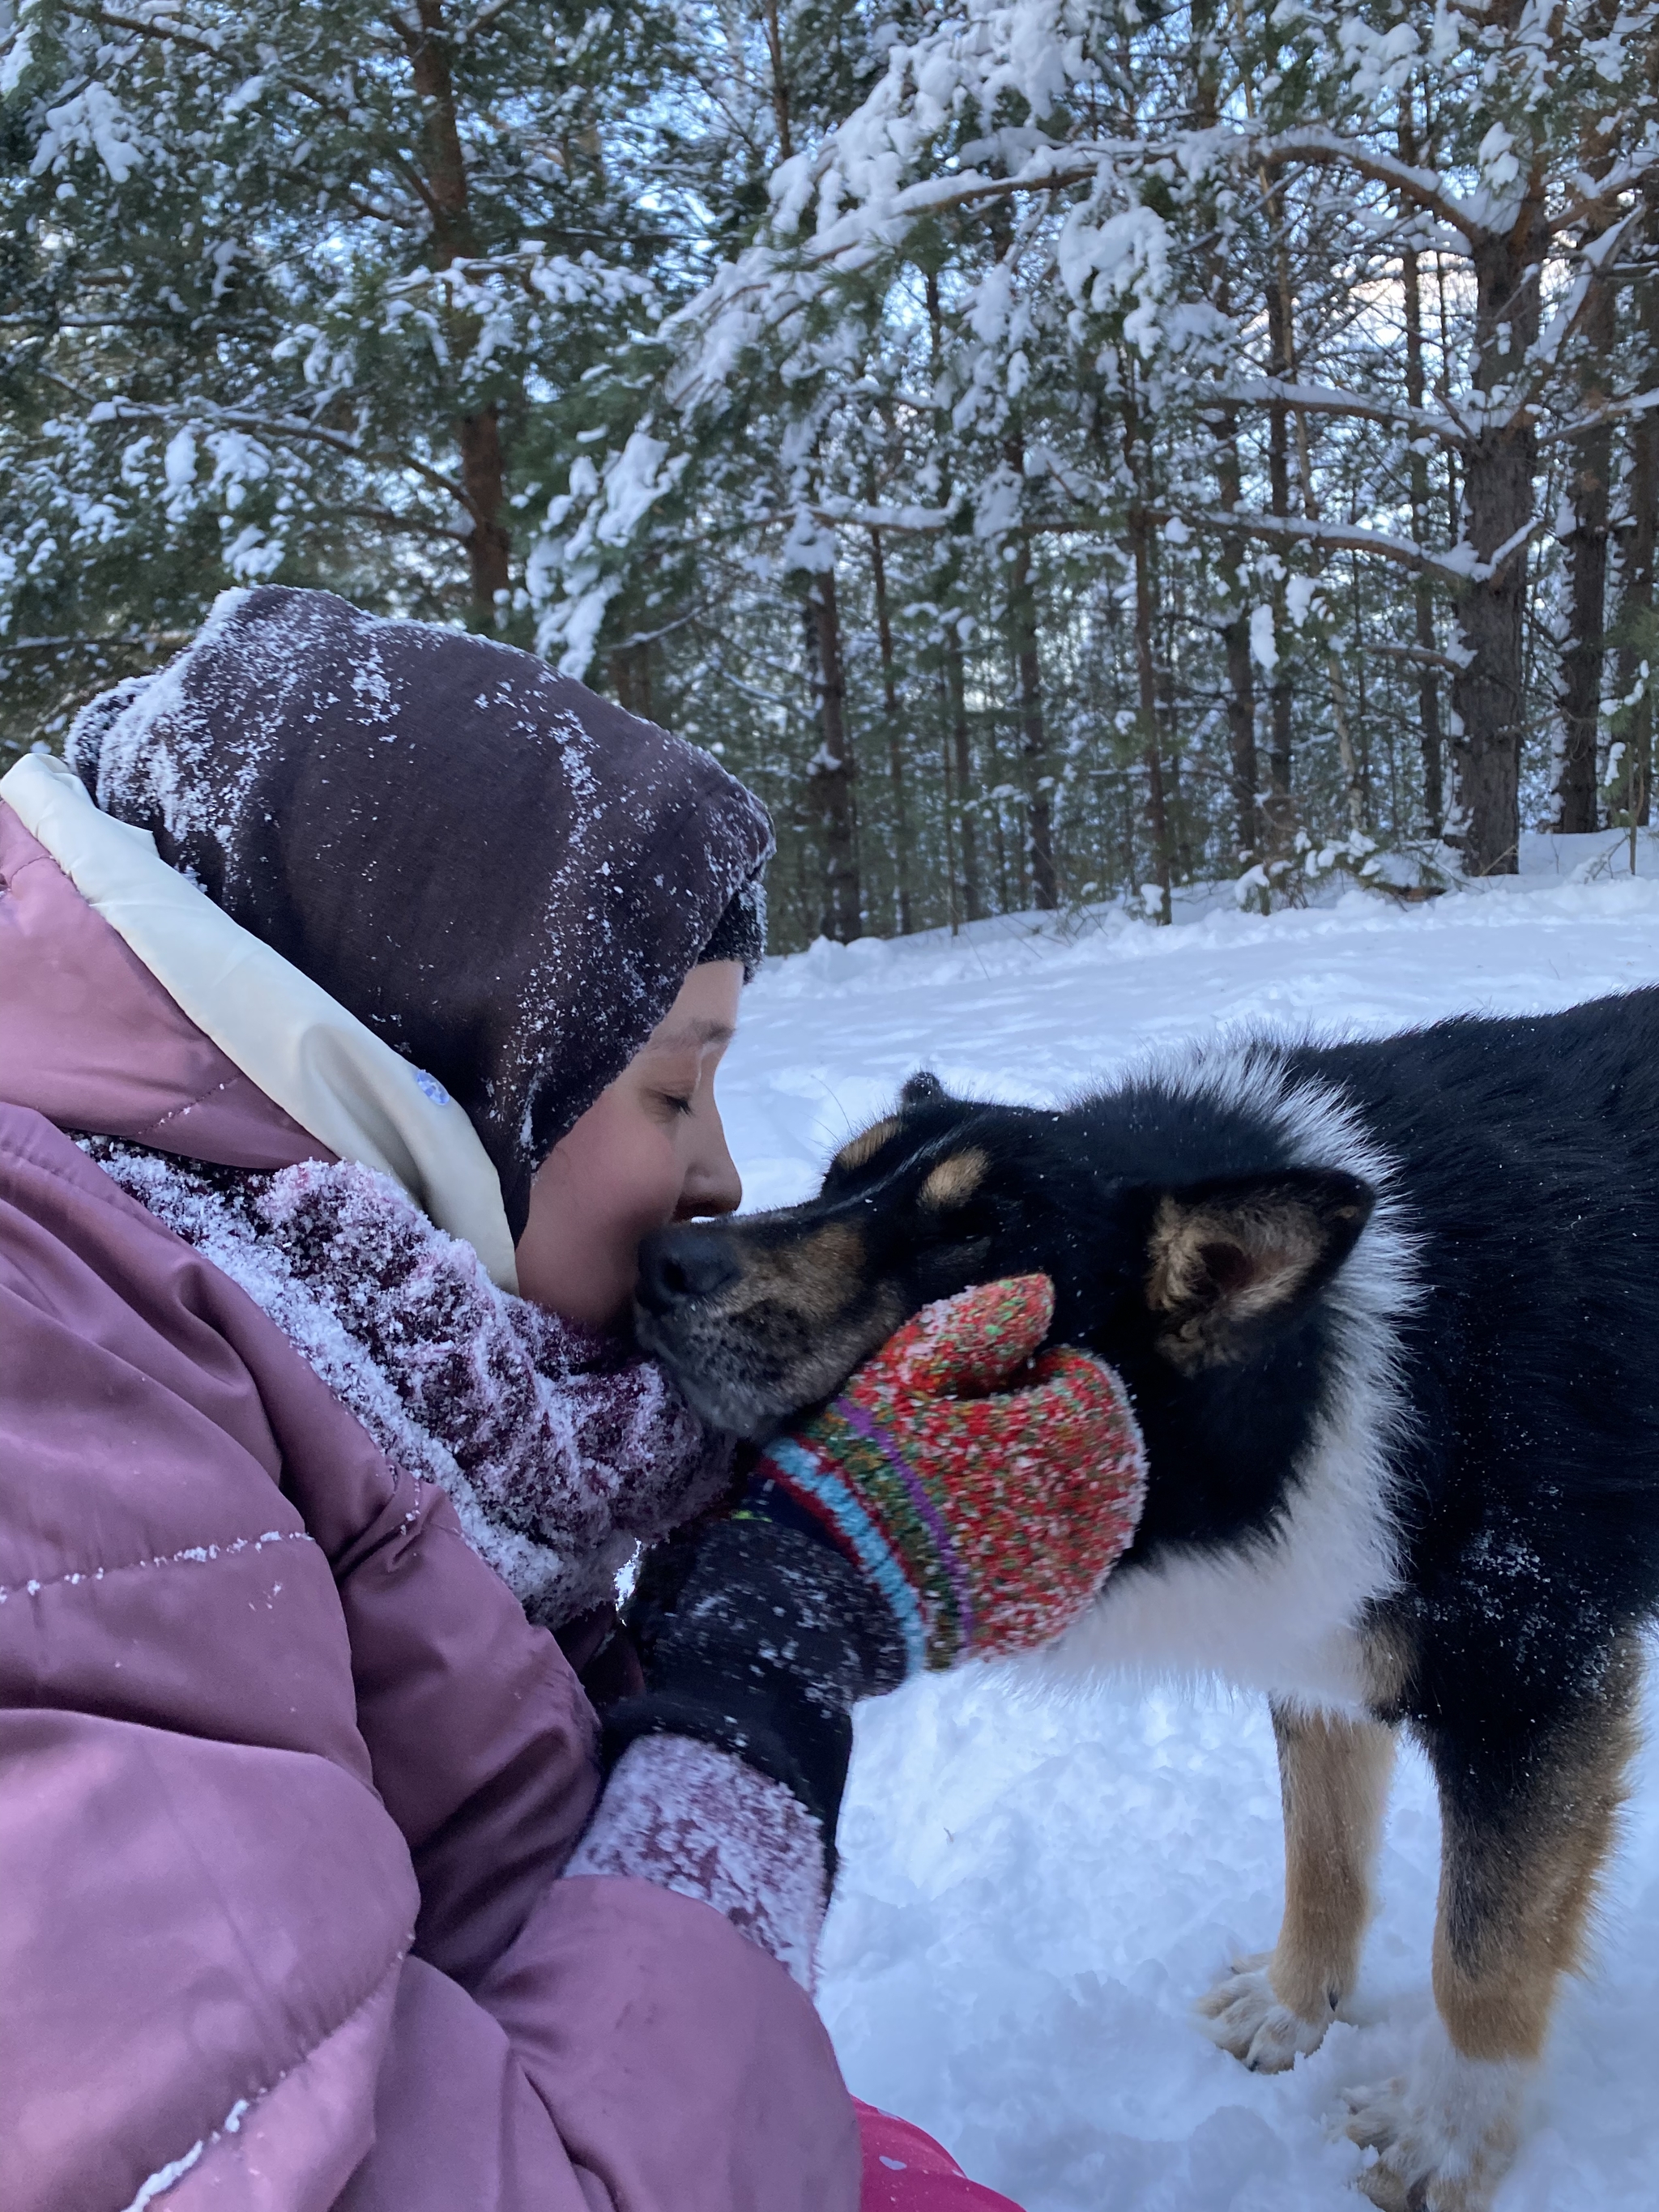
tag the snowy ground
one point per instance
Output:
(1033, 1896)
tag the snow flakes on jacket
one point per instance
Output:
(560, 1450)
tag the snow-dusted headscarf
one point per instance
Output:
(505, 877)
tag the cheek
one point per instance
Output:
(614, 1172)
(645, 1195)
(613, 1179)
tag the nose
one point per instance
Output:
(678, 1265)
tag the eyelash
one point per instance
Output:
(676, 1104)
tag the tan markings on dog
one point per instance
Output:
(867, 1145)
(1516, 1893)
(1387, 1660)
(815, 1280)
(1333, 1774)
(800, 1316)
(828, 1270)
(1214, 1267)
(956, 1180)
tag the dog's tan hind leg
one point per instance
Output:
(1517, 1883)
(1334, 1776)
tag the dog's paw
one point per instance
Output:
(1243, 2015)
(1376, 2119)
(1444, 2133)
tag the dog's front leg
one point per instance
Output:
(1527, 1816)
(1334, 1776)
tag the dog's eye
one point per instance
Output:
(982, 1219)
(971, 1217)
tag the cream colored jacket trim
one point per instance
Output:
(318, 1062)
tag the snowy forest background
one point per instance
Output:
(1054, 450)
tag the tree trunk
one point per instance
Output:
(1635, 619)
(479, 435)
(1137, 466)
(483, 477)
(1636, 549)
(831, 769)
(1581, 663)
(445, 164)
(630, 677)
(1147, 682)
(955, 679)
(1589, 465)
(1353, 780)
(895, 739)
(1235, 633)
(1033, 735)
(965, 866)
(1177, 813)
(779, 79)
(1281, 804)
(1428, 683)
(1499, 467)
(1240, 669)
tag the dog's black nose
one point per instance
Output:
(678, 1264)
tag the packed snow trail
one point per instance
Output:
(1033, 1893)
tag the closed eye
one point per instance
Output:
(981, 1225)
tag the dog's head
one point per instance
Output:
(759, 1317)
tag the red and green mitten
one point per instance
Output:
(987, 1494)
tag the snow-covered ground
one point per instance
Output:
(1033, 1894)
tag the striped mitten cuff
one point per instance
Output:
(987, 1494)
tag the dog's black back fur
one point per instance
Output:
(1527, 1157)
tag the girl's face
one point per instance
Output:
(649, 1151)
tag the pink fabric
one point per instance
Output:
(265, 1720)
(905, 2171)
(300, 2143)
(560, 1449)
(705, 1824)
(288, 1779)
(90, 1038)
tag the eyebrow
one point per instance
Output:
(697, 1032)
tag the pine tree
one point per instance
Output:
(305, 292)
(1054, 450)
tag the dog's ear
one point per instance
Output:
(923, 1089)
(1228, 1260)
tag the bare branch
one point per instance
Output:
(1616, 181)
(1640, 402)
(414, 525)
(165, 28)
(1457, 568)
(1420, 655)
(1323, 399)
(1423, 187)
(1330, 537)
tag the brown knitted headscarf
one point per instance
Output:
(504, 876)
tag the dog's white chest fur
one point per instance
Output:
(1280, 1613)
(1282, 1610)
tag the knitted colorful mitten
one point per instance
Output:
(988, 1499)
(916, 1519)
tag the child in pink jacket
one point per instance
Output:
(362, 989)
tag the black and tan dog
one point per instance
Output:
(1391, 1315)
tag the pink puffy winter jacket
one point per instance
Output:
(286, 1779)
